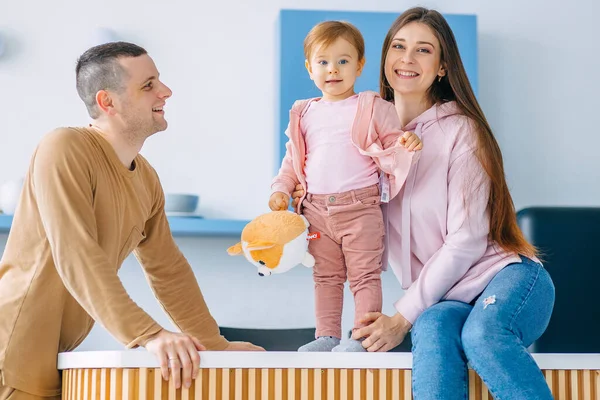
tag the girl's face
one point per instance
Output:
(413, 60)
(334, 69)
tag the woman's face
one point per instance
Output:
(413, 60)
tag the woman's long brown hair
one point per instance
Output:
(455, 86)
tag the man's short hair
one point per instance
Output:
(98, 69)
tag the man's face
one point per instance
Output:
(140, 105)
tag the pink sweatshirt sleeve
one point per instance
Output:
(394, 159)
(390, 132)
(389, 126)
(465, 243)
(286, 179)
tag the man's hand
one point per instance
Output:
(279, 201)
(177, 352)
(243, 346)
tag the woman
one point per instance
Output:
(475, 291)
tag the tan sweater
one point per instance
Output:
(80, 214)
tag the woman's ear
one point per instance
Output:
(442, 71)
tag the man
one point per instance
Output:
(89, 199)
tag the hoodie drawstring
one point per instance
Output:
(405, 223)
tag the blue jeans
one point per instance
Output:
(492, 336)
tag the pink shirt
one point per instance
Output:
(438, 247)
(333, 164)
(375, 132)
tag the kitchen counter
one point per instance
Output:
(290, 375)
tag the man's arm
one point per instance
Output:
(174, 282)
(64, 185)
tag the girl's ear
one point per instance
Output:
(361, 65)
(307, 66)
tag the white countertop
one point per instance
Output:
(274, 359)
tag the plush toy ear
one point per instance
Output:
(235, 250)
(260, 245)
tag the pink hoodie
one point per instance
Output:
(438, 225)
(375, 133)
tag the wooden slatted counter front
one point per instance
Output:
(130, 375)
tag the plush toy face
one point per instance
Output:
(275, 242)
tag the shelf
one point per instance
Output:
(180, 226)
(186, 226)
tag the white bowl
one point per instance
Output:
(181, 203)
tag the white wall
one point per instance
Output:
(538, 86)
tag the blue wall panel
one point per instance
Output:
(294, 81)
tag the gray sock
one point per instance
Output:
(322, 343)
(350, 345)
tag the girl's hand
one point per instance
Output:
(382, 333)
(279, 201)
(410, 141)
(297, 195)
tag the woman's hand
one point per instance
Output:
(382, 333)
(297, 195)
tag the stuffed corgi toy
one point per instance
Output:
(275, 242)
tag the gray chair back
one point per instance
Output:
(271, 339)
(569, 240)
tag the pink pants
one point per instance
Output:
(350, 246)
